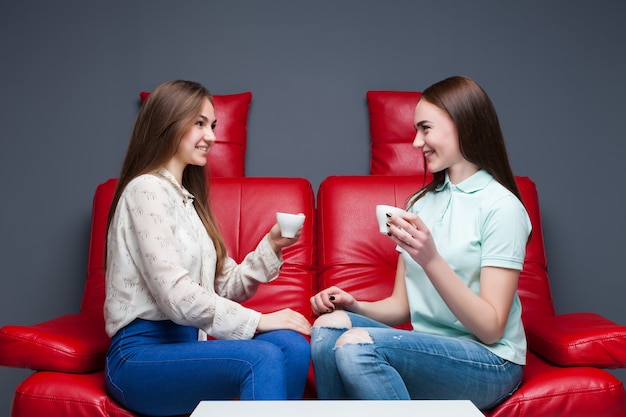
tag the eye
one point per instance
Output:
(422, 126)
(214, 125)
(200, 123)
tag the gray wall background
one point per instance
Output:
(72, 70)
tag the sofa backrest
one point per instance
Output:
(392, 133)
(354, 255)
(534, 283)
(245, 208)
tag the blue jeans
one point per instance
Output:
(403, 365)
(159, 368)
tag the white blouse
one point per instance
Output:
(161, 265)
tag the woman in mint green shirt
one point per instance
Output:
(462, 245)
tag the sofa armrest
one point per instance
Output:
(579, 339)
(74, 343)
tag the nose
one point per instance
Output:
(209, 134)
(418, 142)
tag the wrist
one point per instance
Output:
(434, 265)
(353, 307)
(275, 247)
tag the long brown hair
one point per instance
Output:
(162, 121)
(480, 137)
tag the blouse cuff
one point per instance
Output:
(272, 261)
(253, 324)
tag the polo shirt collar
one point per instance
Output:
(474, 183)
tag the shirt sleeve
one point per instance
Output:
(157, 255)
(240, 281)
(505, 233)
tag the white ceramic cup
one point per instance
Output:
(381, 216)
(289, 223)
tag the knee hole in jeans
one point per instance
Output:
(338, 319)
(354, 336)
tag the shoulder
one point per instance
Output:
(497, 196)
(145, 182)
(502, 210)
(147, 187)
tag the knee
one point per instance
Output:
(338, 319)
(289, 342)
(354, 336)
(326, 329)
(289, 339)
(263, 353)
(298, 349)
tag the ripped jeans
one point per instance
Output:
(378, 362)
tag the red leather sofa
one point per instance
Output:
(68, 352)
(340, 245)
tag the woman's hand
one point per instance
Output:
(412, 235)
(332, 298)
(278, 242)
(284, 319)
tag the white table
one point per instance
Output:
(343, 408)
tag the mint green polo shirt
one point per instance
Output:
(475, 223)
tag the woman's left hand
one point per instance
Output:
(412, 235)
(278, 242)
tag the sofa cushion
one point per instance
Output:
(352, 253)
(57, 394)
(72, 343)
(392, 133)
(245, 214)
(228, 155)
(549, 390)
(534, 285)
(579, 339)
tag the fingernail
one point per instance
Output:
(388, 214)
(331, 298)
(388, 224)
(388, 233)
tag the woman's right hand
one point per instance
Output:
(284, 319)
(326, 301)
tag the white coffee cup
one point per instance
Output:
(289, 223)
(381, 216)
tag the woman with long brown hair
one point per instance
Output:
(170, 282)
(462, 246)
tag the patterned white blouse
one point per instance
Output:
(161, 265)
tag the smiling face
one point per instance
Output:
(195, 144)
(438, 139)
